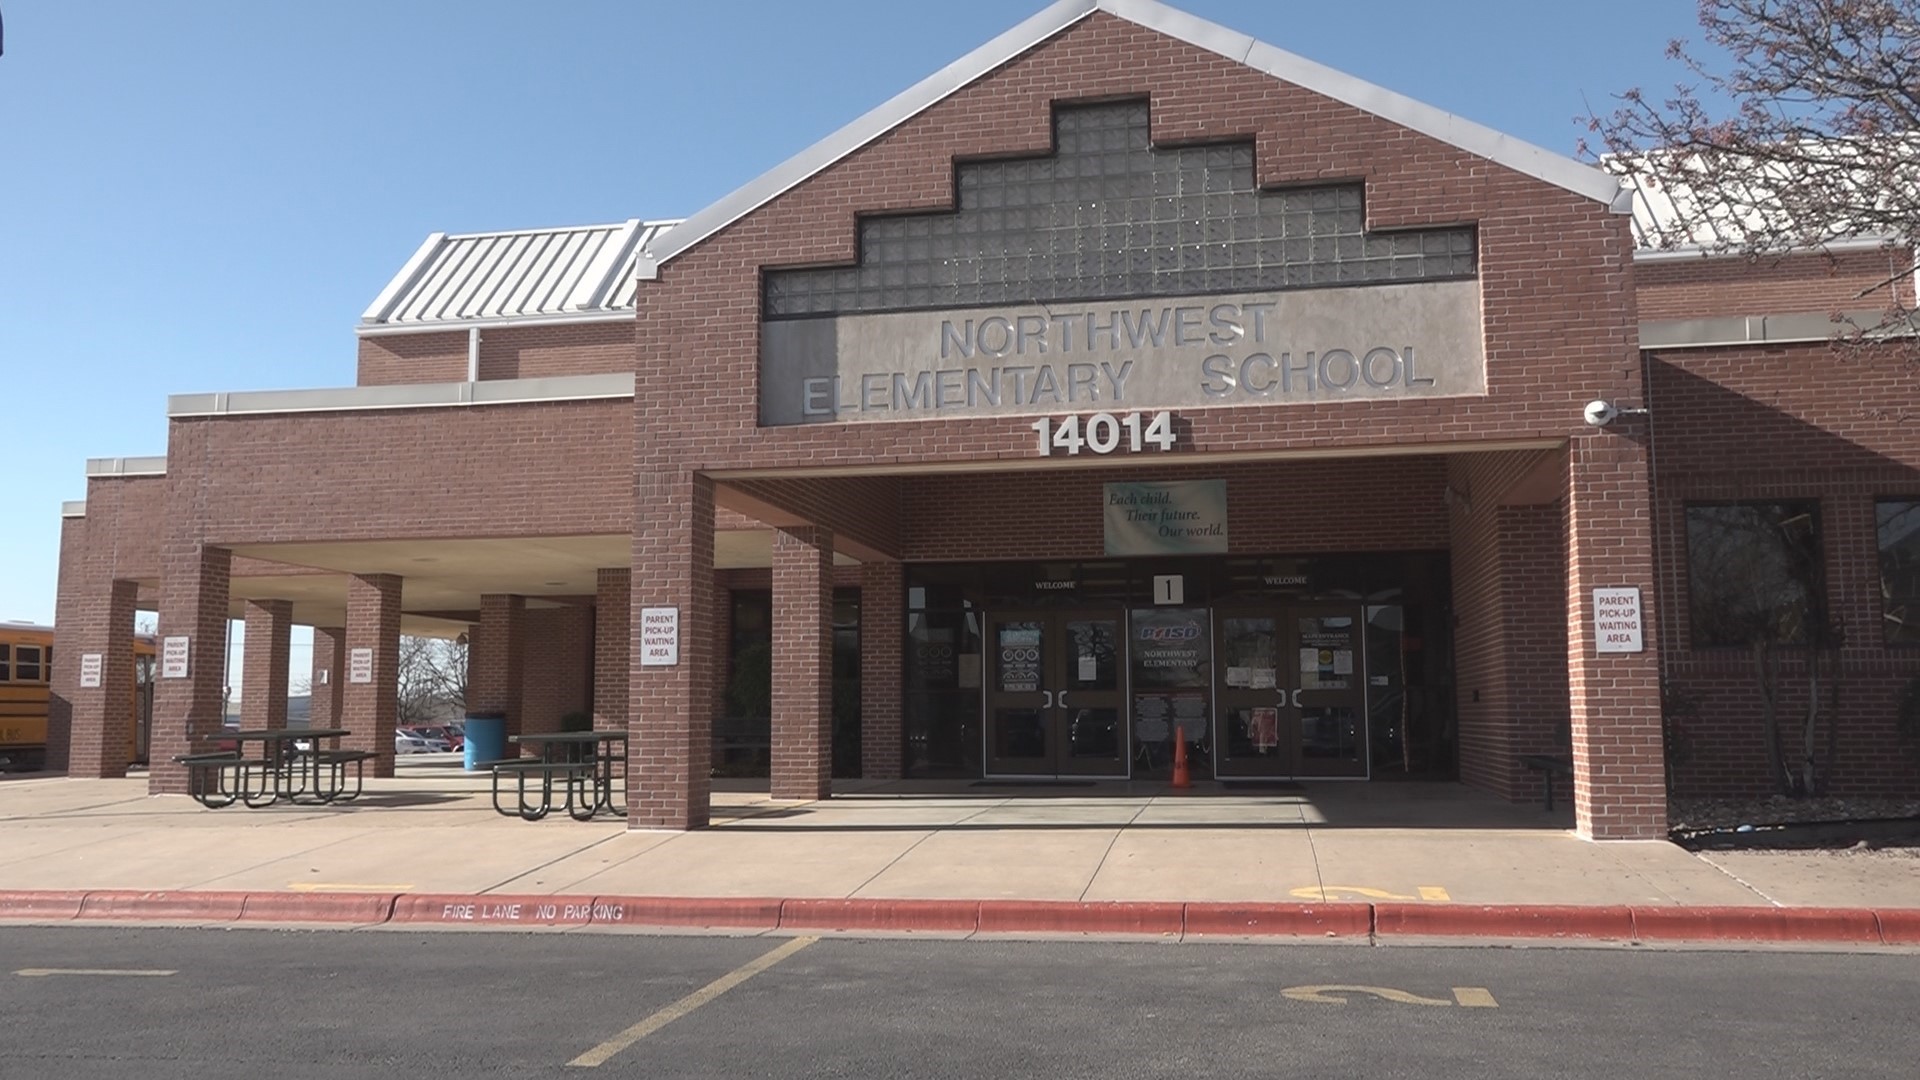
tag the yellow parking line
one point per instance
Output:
(1474, 997)
(599, 1054)
(1434, 892)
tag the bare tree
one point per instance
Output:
(1818, 140)
(432, 679)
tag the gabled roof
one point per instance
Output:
(532, 274)
(1521, 157)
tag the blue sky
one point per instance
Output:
(204, 194)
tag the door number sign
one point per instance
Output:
(1102, 433)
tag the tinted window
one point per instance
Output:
(1754, 572)
(1899, 530)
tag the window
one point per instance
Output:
(1899, 529)
(1754, 573)
(27, 664)
(6, 663)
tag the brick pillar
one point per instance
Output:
(495, 652)
(194, 580)
(329, 675)
(93, 735)
(670, 706)
(802, 662)
(1619, 786)
(263, 664)
(612, 614)
(370, 710)
(883, 630)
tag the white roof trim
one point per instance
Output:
(1482, 141)
(405, 280)
(493, 322)
(155, 465)
(73, 508)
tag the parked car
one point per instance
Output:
(452, 736)
(404, 743)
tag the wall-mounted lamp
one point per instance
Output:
(1601, 412)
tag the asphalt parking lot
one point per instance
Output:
(175, 1003)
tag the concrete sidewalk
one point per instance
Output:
(432, 831)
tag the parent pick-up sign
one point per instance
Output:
(659, 636)
(1616, 621)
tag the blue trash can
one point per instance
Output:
(486, 740)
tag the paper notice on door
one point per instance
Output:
(1310, 660)
(1343, 662)
(1262, 678)
(1239, 676)
(1089, 668)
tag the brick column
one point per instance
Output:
(495, 652)
(802, 662)
(92, 735)
(371, 709)
(670, 706)
(883, 629)
(263, 664)
(329, 675)
(612, 615)
(194, 580)
(1619, 785)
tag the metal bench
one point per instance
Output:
(1549, 766)
(576, 775)
(336, 762)
(219, 778)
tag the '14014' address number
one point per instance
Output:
(1101, 432)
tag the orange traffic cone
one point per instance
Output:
(1180, 778)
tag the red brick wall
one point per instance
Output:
(1789, 422)
(802, 764)
(537, 352)
(506, 352)
(1698, 288)
(612, 615)
(371, 710)
(556, 666)
(1392, 504)
(263, 664)
(428, 357)
(537, 469)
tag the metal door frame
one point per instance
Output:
(1053, 617)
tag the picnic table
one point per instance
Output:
(280, 769)
(590, 766)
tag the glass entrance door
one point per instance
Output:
(1053, 701)
(1292, 692)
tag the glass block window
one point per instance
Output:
(1108, 216)
(1898, 522)
(1754, 572)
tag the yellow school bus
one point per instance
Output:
(26, 673)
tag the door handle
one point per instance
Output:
(1060, 698)
(1049, 702)
(1296, 697)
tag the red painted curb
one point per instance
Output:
(730, 912)
(184, 904)
(1085, 917)
(456, 909)
(1594, 922)
(40, 905)
(1280, 920)
(881, 914)
(317, 907)
(1756, 924)
(1899, 926)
